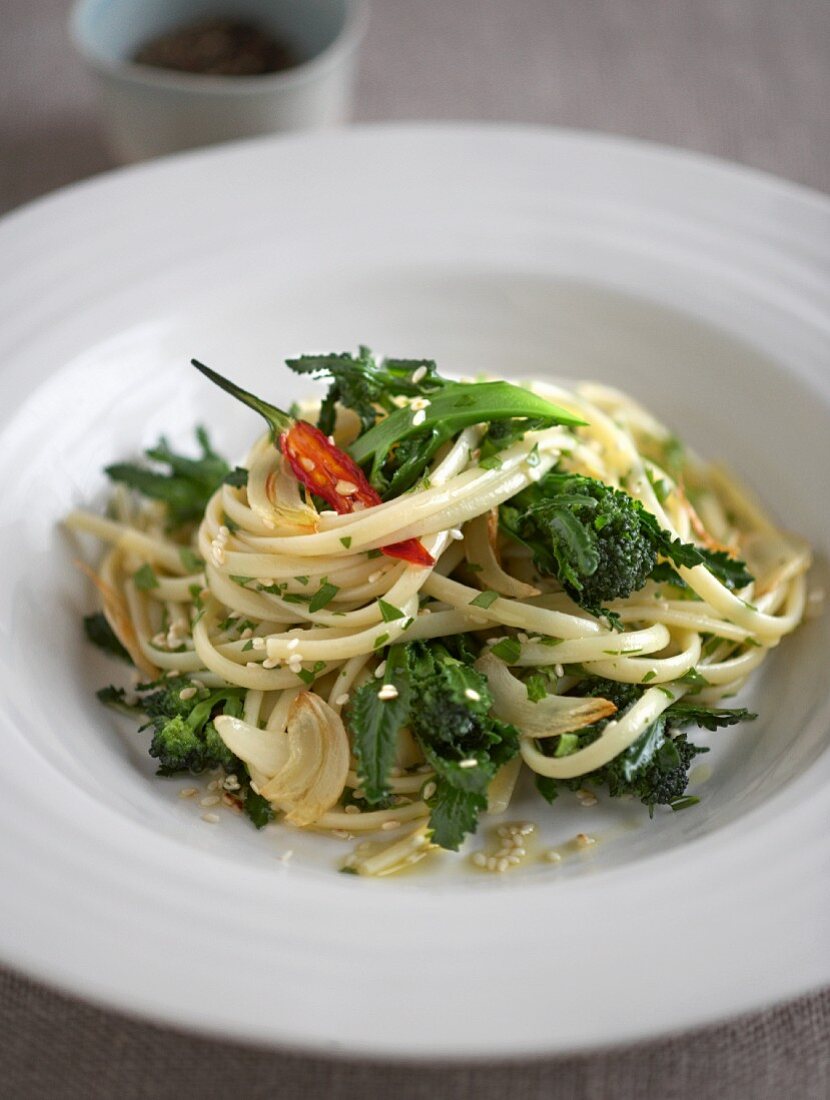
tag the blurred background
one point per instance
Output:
(744, 79)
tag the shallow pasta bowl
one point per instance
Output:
(700, 288)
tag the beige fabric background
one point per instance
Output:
(744, 79)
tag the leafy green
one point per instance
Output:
(184, 736)
(601, 543)
(145, 578)
(258, 809)
(376, 722)
(101, 634)
(446, 704)
(116, 698)
(454, 813)
(655, 768)
(323, 596)
(360, 383)
(400, 446)
(185, 486)
(237, 478)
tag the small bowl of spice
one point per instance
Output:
(175, 74)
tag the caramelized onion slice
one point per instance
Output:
(550, 717)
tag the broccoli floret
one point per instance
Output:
(655, 768)
(599, 542)
(184, 736)
(587, 534)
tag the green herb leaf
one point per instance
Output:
(484, 599)
(323, 596)
(237, 478)
(101, 634)
(508, 650)
(185, 486)
(375, 724)
(453, 814)
(190, 560)
(389, 613)
(145, 579)
(257, 808)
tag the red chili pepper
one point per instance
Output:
(337, 478)
(321, 466)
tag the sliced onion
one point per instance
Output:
(274, 493)
(550, 717)
(266, 751)
(312, 779)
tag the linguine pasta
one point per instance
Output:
(296, 606)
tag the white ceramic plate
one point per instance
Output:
(701, 288)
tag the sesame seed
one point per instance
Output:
(359, 793)
(456, 533)
(379, 671)
(187, 693)
(515, 858)
(270, 662)
(480, 859)
(388, 691)
(187, 792)
(429, 790)
(471, 693)
(519, 851)
(586, 798)
(231, 783)
(418, 374)
(373, 578)
(307, 464)
(286, 856)
(423, 768)
(259, 643)
(211, 819)
(470, 762)
(341, 700)
(387, 825)
(417, 404)
(345, 488)
(341, 834)
(552, 856)
(350, 809)
(252, 664)
(585, 841)
(559, 671)
(210, 800)
(293, 643)
(213, 785)
(492, 863)
(419, 418)
(265, 581)
(246, 633)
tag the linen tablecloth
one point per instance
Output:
(744, 79)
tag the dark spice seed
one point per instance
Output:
(218, 47)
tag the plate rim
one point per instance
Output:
(113, 178)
